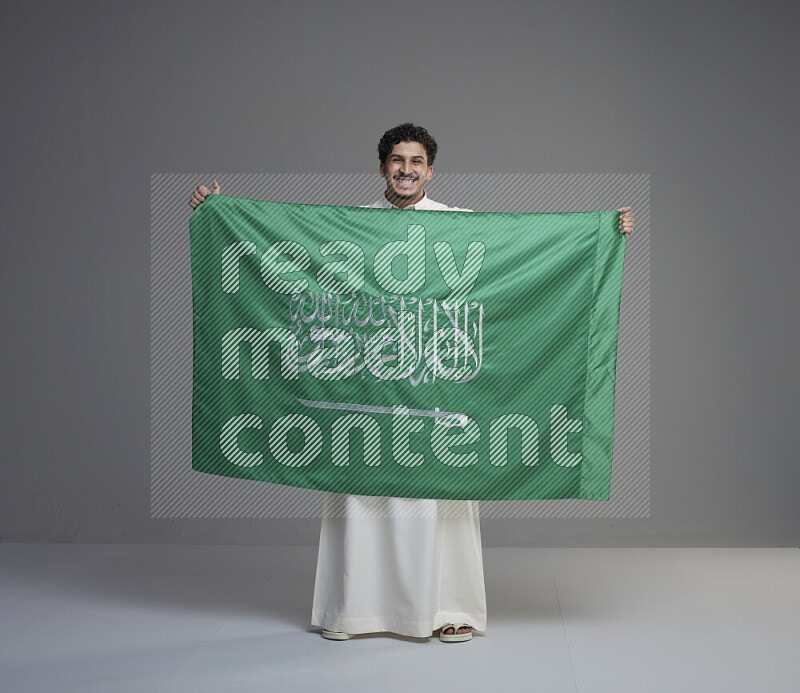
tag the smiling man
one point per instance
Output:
(406, 155)
(406, 171)
(406, 565)
(403, 565)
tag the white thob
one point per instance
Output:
(402, 565)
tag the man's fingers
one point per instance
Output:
(626, 223)
(626, 220)
(199, 195)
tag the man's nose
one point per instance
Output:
(405, 167)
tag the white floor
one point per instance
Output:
(236, 618)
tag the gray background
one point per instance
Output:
(99, 96)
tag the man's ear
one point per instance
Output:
(380, 170)
(429, 173)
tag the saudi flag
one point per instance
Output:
(405, 353)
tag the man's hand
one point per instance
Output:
(200, 194)
(625, 221)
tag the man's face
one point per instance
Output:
(406, 170)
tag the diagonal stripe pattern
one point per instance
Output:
(176, 493)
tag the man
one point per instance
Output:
(417, 566)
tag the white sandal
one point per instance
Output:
(335, 634)
(455, 636)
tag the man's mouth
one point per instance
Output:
(405, 182)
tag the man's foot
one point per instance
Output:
(463, 629)
(455, 632)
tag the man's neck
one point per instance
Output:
(401, 202)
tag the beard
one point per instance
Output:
(405, 193)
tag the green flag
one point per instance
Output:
(405, 353)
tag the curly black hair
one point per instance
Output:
(407, 132)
